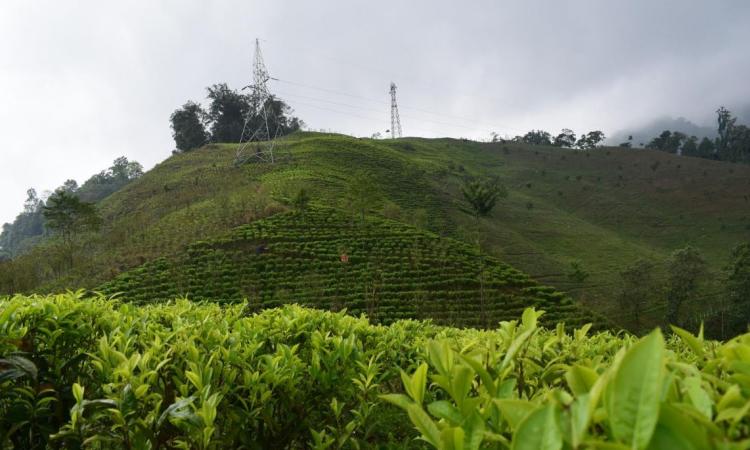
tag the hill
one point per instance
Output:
(604, 208)
(322, 258)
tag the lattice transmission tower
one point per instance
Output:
(395, 119)
(257, 141)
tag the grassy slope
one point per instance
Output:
(605, 207)
(609, 207)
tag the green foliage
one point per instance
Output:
(590, 140)
(482, 195)
(706, 148)
(686, 269)
(95, 373)
(537, 137)
(725, 123)
(566, 138)
(738, 282)
(638, 289)
(105, 183)
(732, 143)
(27, 226)
(362, 194)
(301, 200)
(67, 215)
(577, 274)
(188, 129)
(647, 395)
(230, 113)
(226, 113)
(632, 397)
(668, 141)
(27, 229)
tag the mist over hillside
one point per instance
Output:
(648, 129)
(643, 134)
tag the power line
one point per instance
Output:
(379, 101)
(417, 81)
(346, 113)
(287, 94)
(411, 118)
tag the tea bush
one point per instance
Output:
(96, 373)
(392, 271)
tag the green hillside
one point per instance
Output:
(322, 258)
(604, 207)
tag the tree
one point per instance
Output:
(706, 148)
(26, 229)
(111, 180)
(69, 186)
(577, 273)
(226, 113)
(482, 196)
(32, 203)
(690, 146)
(738, 283)
(229, 110)
(362, 194)
(637, 289)
(590, 140)
(667, 141)
(660, 142)
(674, 144)
(301, 199)
(537, 137)
(739, 144)
(280, 119)
(124, 170)
(566, 138)
(68, 216)
(685, 269)
(725, 123)
(188, 129)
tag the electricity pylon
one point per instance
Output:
(258, 139)
(395, 119)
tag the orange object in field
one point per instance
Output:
(344, 258)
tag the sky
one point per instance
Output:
(84, 82)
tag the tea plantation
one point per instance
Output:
(95, 373)
(325, 258)
(604, 208)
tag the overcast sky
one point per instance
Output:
(83, 82)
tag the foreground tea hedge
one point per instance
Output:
(95, 373)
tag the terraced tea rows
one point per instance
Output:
(323, 258)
